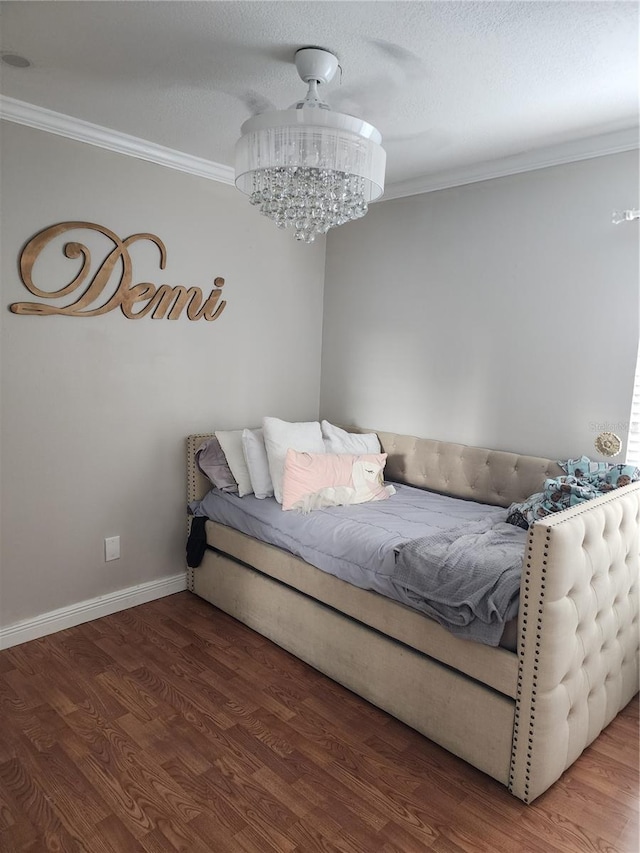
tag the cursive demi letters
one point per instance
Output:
(162, 301)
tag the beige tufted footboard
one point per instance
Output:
(579, 638)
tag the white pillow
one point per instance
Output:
(231, 444)
(255, 455)
(279, 436)
(338, 440)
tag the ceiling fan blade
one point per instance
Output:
(255, 102)
(376, 99)
(370, 102)
(433, 138)
(411, 64)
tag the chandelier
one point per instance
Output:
(310, 168)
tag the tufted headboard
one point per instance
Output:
(197, 484)
(474, 473)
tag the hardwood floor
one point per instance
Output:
(171, 726)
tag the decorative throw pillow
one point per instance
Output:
(213, 463)
(255, 455)
(337, 440)
(279, 436)
(231, 444)
(315, 480)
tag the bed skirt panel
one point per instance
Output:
(493, 666)
(463, 716)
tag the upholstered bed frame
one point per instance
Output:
(522, 717)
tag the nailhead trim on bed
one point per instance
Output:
(193, 443)
(525, 617)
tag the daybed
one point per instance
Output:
(522, 717)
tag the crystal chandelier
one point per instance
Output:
(310, 168)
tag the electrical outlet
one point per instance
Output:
(112, 548)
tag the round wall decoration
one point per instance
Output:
(608, 444)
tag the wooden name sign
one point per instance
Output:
(134, 300)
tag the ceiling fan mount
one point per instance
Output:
(315, 63)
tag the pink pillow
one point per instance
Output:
(314, 480)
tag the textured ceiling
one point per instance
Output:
(449, 84)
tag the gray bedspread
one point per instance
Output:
(467, 578)
(360, 543)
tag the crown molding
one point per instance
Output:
(538, 158)
(40, 118)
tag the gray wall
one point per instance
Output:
(95, 410)
(502, 314)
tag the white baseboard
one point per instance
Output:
(85, 611)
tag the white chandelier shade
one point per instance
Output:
(308, 167)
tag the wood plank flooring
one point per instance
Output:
(172, 727)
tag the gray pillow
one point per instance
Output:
(213, 463)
